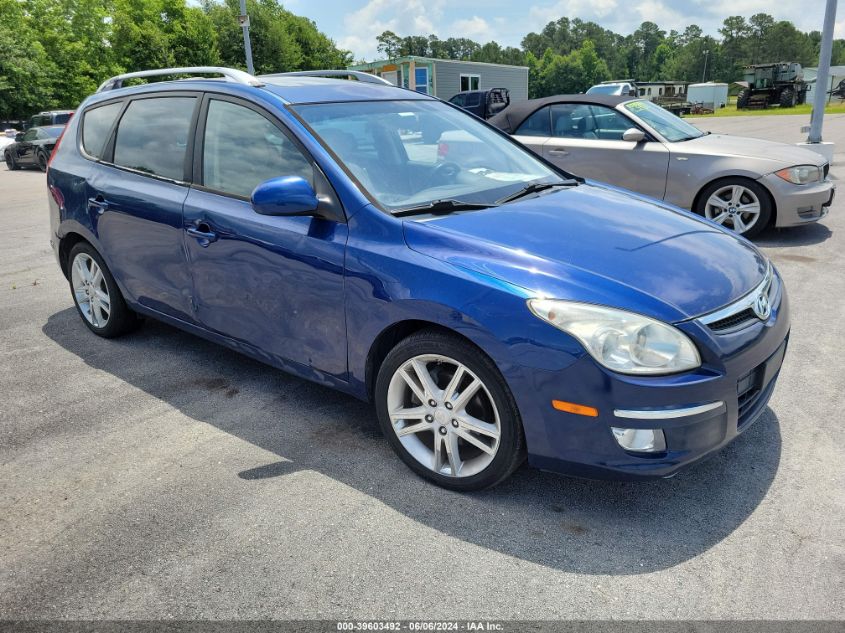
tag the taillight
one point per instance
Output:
(58, 196)
(58, 141)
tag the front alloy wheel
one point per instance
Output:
(443, 415)
(448, 413)
(737, 204)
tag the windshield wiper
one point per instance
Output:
(442, 206)
(535, 187)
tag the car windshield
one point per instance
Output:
(607, 89)
(411, 153)
(54, 130)
(669, 126)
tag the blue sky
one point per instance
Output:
(354, 24)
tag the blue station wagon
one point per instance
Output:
(382, 242)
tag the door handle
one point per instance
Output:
(558, 152)
(98, 204)
(203, 233)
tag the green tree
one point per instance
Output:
(27, 74)
(389, 44)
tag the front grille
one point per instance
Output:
(734, 321)
(741, 313)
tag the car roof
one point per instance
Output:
(303, 89)
(509, 119)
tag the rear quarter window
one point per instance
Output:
(96, 125)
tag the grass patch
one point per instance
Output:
(835, 107)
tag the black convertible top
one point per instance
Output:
(509, 119)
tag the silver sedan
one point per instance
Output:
(742, 183)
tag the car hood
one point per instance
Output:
(599, 245)
(778, 154)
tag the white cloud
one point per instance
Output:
(473, 28)
(403, 17)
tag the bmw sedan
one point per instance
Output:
(741, 183)
(387, 244)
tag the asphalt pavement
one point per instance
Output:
(161, 476)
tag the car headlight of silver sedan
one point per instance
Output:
(801, 174)
(622, 341)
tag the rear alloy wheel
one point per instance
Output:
(42, 161)
(447, 412)
(738, 204)
(11, 163)
(96, 295)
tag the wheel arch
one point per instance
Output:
(66, 244)
(772, 203)
(391, 335)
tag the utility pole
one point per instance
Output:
(819, 93)
(243, 18)
(704, 72)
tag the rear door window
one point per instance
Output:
(152, 136)
(242, 149)
(96, 125)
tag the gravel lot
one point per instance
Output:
(161, 476)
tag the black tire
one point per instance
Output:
(802, 97)
(120, 319)
(42, 159)
(742, 98)
(11, 163)
(765, 200)
(511, 451)
(787, 98)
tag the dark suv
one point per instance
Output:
(49, 117)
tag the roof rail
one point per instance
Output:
(230, 74)
(333, 74)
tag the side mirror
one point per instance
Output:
(18, 137)
(288, 195)
(632, 93)
(633, 135)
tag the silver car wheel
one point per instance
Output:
(734, 206)
(443, 415)
(90, 290)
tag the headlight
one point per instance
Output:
(801, 174)
(622, 341)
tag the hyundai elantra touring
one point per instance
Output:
(381, 242)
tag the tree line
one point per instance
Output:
(53, 53)
(570, 55)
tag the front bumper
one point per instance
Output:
(713, 405)
(799, 204)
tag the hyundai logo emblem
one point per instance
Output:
(761, 306)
